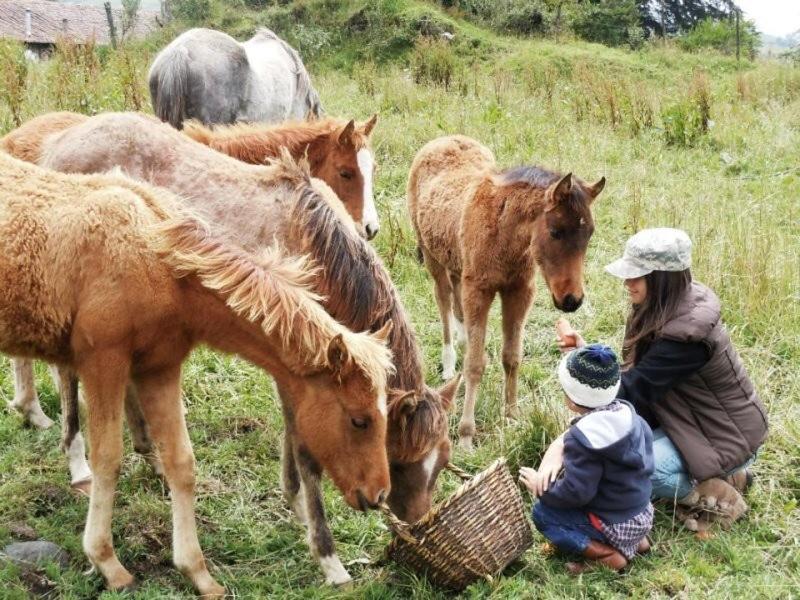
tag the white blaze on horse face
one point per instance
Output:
(369, 215)
(382, 404)
(430, 462)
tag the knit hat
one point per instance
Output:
(660, 249)
(590, 375)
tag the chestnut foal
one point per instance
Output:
(483, 231)
(116, 280)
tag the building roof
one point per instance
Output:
(51, 21)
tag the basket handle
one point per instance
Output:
(458, 471)
(400, 527)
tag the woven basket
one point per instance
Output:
(475, 534)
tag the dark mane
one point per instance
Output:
(357, 288)
(540, 177)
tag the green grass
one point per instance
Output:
(734, 191)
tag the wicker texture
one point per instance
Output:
(476, 533)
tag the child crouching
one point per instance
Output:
(600, 508)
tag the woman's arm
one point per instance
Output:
(665, 364)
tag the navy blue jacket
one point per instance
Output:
(608, 460)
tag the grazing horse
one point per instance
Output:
(337, 150)
(207, 75)
(483, 231)
(118, 281)
(355, 286)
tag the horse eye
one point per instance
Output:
(359, 423)
(346, 174)
(556, 234)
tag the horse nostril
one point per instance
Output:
(570, 303)
(381, 497)
(372, 231)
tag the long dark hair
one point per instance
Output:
(664, 292)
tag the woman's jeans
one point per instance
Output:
(568, 528)
(671, 478)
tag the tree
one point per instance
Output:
(610, 22)
(668, 17)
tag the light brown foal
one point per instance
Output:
(483, 231)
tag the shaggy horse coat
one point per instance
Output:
(355, 286)
(338, 152)
(482, 232)
(207, 75)
(107, 276)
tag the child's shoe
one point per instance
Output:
(600, 553)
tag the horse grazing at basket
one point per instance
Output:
(337, 150)
(207, 75)
(355, 286)
(483, 231)
(118, 281)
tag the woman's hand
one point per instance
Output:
(566, 337)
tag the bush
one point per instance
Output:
(194, 12)
(523, 17)
(13, 75)
(611, 22)
(721, 35)
(434, 61)
(687, 121)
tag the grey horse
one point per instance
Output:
(209, 76)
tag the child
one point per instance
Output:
(600, 508)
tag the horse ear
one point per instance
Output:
(558, 191)
(449, 390)
(370, 125)
(402, 402)
(384, 332)
(346, 136)
(338, 355)
(594, 189)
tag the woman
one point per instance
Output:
(681, 372)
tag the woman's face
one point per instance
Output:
(637, 289)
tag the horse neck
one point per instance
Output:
(516, 208)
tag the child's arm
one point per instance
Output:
(552, 461)
(582, 473)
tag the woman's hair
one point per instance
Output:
(664, 292)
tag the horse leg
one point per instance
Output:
(71, 439)
(291, 485)
(104, 377)
(476, 310)
(159, 396)
(458, 311)
(140, 434)
(26, 400)
(516, 302)
(444, 300)
(320, 539)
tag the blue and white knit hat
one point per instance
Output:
(590, 375)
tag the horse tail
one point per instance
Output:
(68, 389)
(169, 86)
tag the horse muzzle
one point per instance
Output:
(371, 230)
(568, 304)
(366, 504)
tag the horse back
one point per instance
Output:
(443, 180)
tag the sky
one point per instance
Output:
(775, 17)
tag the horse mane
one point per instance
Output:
(357, 289)
(540, 177)
(304, 87)
(269, 289)
(252, 142)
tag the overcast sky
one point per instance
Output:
(775, 17)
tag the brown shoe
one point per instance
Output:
(741, 480)
(599, 553)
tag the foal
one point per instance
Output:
(356, 288)
(482, 232)
(107, 276)
(337, 150)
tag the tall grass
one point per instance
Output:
(573, 107)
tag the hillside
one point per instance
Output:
(686, 140)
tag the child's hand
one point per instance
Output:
(527, 477)
(566, 337)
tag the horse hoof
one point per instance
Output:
(448, 375)
(84, 486)
(213, 592)
(127, 583)
(465, 443)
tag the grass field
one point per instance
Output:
(638, 119)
